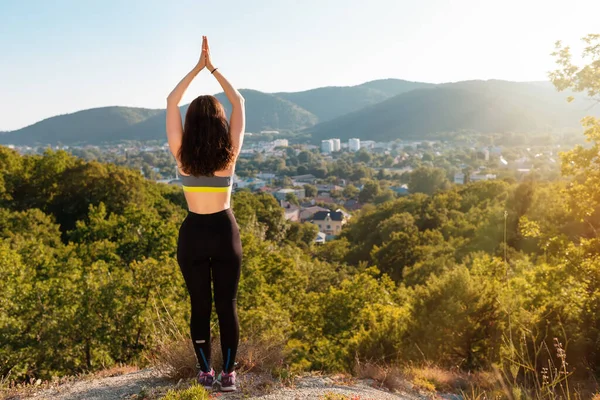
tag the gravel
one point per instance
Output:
(131, 385)
(114, 387)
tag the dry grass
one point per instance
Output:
(387, 376)
(429, 378)
(117, 370)
(173, 355)
(175, 358)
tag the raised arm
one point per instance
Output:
(174, 126)
(237, 123)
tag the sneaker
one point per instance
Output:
(206, 379)
(227, 381)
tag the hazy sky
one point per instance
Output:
(62, 56)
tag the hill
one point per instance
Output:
(269, 111)
(85, 126)
(263, 111)
(106, 124)
(334, 101)
(482, 106)
(380, 110)
(280, 111)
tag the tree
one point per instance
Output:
(350, 191)
(292, 199)
(384, 196)
(369, 191)
(363, 156)
(427, 180)
(582, 163)
(310, 190)
(579, 79)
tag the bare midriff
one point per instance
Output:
(208, 202)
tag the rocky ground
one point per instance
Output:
(146, 384)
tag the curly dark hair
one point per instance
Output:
(206, 144)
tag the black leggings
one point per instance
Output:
(209, 244)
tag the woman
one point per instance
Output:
(206, 148)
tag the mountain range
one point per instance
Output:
(378, 110)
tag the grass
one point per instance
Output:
(195, 392)
(337, 396)
(173, 355)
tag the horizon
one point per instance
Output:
(71, 57)
(242, 89)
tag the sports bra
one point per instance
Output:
(206, 184)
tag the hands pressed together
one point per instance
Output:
(205, 60)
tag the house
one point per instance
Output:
(250, 183)
(308, 178)
(321, 237)
(329, 222)
(459, 178)
(324, 188)
(400, 190)
(282, 193)
(308, 212)
(481, 177)
(291, 212)
(352, 205)
(267, 176)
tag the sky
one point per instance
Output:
(62, 56)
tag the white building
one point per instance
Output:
(354, 144)
(326, 146)
(337, 144)
(280, 143)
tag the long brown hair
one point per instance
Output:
(206, 144)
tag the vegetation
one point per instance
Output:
(493, 276)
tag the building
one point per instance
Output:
(280, 143)
(327, 189)
(249, 183)
(266, 175)
(326, 146)
(307, 213)
(308, 178)
(290, 211)
(401, 190)
(337, 144)
(329, 222)
(282, 193)
(321, 237)
(366, 144)
(354, 144)
(352, 205)
(459, 178)
(481, 177)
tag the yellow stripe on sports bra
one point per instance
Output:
(206, 189)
